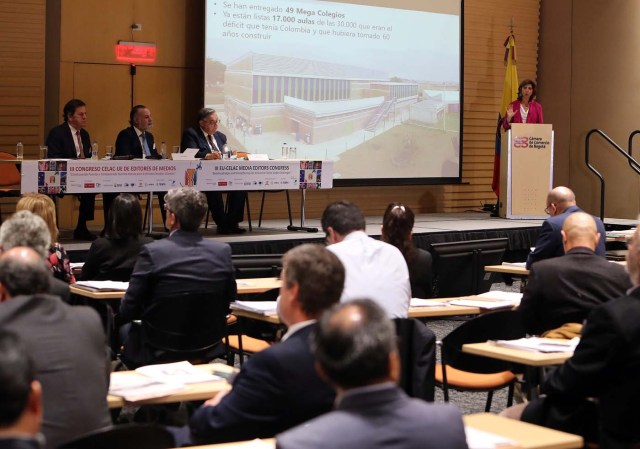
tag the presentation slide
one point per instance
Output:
(373, 85)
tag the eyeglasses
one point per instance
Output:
(211, 122)
(548, 209)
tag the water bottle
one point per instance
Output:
(226, 153)
(285, 151)
(19, 151)
(163, 150)
(94, 150)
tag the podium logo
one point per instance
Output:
(521, 142)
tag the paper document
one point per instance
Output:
(539, 344)
(180, 372)
(103, 286)
(75, 265)
(263, 307)
(133, 388)
(515, 264)
(417, 302)
(496, 295)
(483, 303)
(479, 439)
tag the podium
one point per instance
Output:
(526, 170)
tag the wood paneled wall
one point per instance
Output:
(22, 37)
(84, 67)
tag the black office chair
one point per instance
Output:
(126, 436)
(189, 326)
(467, 372)
(417, 350)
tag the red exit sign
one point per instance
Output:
(134, 52)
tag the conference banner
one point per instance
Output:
(56, 176)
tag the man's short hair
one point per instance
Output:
(344, 217)
(204, 113)
(319, 275)
(355, 353)
(70, 108)
(134, 111)
(17, 372)
(25, 228)
(188, 205)
(21, 277)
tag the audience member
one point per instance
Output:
(374, 269)
(67, 344)
(20, 396)
(597, 390)
(210, 144)
(183, 262)
(138, 142)
(355, 349)
(561, 202)
(279, 388)
(565, 289)
(27, 229)
(397, 226)
(45, 208)
(112, 257)
(70, 140)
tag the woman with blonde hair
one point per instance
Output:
(44, 207)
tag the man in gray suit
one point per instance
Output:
(24, 228)
(67, 345)
(355, 349)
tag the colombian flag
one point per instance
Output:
(509, 94)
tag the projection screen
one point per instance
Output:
(374, 85)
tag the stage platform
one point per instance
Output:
(274, 238)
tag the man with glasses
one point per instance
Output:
(561, 202)
(211, 144)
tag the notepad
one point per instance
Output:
(417, 302)
(263, 307)
(539, 344)
(479, 439)
(177, 373)
(103, 286)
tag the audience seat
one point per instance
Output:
(467, 372)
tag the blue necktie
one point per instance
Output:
(145, 145)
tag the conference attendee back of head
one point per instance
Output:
(355, 348)
(397, 227)
(374, 269)
(20, 396)
(67, 344)
(25, 228)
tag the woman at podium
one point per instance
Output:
(525, 109)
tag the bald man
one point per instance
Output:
(565, 289)
(561, 202)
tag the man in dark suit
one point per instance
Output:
(597, 390)
(211, 144)
(20, 394)
(70, 140)
(67, 344)
(279, 388)
(136, 141)
(565, 289)
(355, 349)
(183, 262)
(561, 202)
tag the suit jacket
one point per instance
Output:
(605, 365)
(534, 115)
(60, 288)
(549, 242)
(128, 143)
(565, 289)
(380, 416)
(183, 262)
(68, 346)
(276, 389)
(194, 138)
(61, 143)
(112, 260)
